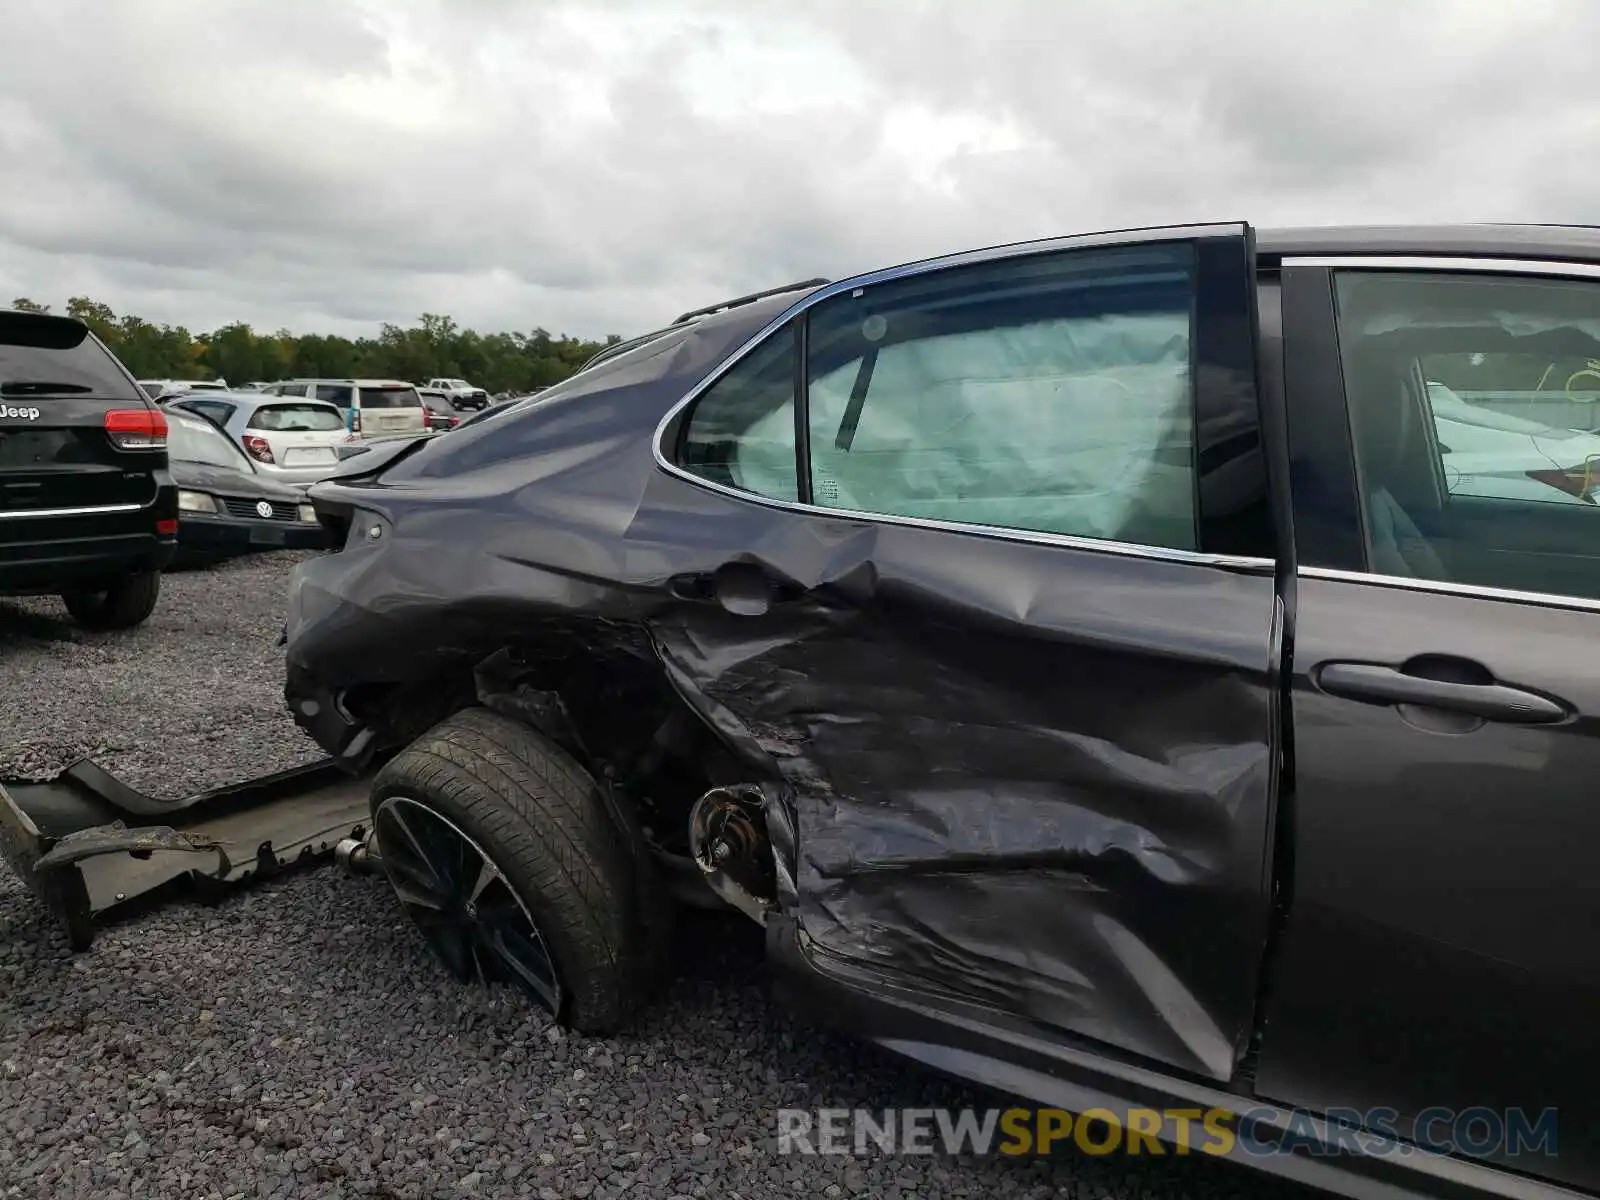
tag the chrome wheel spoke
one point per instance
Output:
(527, 962)
(454, 948)
(413, 896)
(463, 903)
(415, 886)
(413, 842)
(487, 874)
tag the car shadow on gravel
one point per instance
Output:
(301, 1031)
(19, 626)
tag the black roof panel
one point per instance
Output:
(1565, 242)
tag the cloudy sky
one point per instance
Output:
(599, 166)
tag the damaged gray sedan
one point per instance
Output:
(1075, 655)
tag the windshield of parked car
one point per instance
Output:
(298, 418)
(194, 440)
(390, 397)
(43, 356)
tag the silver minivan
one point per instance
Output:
(383, 407)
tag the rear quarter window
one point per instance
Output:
(41, 355)
(334, 393)
(390, 398)
(297, 418)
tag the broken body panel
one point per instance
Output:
(1021, 773)
(89, 846)
(1030, 804)
(1030, 799)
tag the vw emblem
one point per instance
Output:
(263, 508)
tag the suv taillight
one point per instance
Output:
(136, 429)
(355, 420)
(258, 448)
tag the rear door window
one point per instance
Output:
(1473, 415)
(42, 355)
(390, 397)
(1049, 394)
(297, 418)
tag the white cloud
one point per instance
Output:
(600, 166)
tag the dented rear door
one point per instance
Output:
(1016, 656)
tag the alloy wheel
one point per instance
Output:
(462, 901)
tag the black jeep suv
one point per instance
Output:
(87, 508)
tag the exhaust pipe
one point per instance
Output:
(353, 854)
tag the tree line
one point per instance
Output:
(436, 346)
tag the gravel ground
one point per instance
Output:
(297, 1040)
(192, 699)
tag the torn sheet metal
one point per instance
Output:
(117, 838)
(1022, 776)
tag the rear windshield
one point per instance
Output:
(436, 402)
(44, 356)
(298, 418)
(333, 393)
(390, 397)
(189, 440)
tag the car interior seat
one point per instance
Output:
(1382, 412)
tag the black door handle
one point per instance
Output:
(1373, 683)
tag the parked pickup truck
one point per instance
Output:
(461, 394)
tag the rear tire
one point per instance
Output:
(127, 602)
(540, 820)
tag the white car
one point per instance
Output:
(160, 389)
(292, 440)
(1495, 454)
(371, 407)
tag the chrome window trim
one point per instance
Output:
(1112, 240)
(94, 510)
(1442, 262)
(1469, 591)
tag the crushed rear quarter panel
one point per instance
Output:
(1024, 777)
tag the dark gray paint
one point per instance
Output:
(1031, 775)
(1028, 785)
(1442, 949)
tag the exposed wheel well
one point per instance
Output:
(614, 712)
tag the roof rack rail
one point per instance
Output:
(750, 299)
(606, 353)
